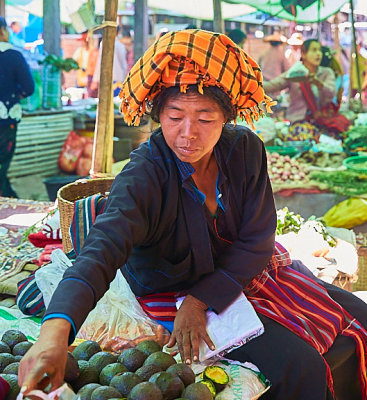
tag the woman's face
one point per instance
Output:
(313, 55)
(4, 35)
(192, 124)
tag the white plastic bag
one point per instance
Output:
(62, 393)
(49, 276)
(118, 321)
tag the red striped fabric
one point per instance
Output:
(305, 308)
(160, 306)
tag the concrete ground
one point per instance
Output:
(30, 187)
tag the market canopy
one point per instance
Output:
(201, 9)
(302, 11)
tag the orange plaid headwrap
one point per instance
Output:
(195, 57)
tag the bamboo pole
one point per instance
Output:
(103, 134)
(141, 28)
(52, 27)
(218, 20)
(336, 38)
(2, 8)
(356, 53)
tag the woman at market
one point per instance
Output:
(193, 214)
(311, 90)
(16, 82)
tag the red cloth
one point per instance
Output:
(45, 256)
(4, 388)
(39, 239)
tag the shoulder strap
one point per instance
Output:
(309, 96)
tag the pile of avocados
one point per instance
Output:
(144, 372)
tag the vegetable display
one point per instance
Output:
(288, 221)
(285, 169)
(356, 139)
(347, 183)
(322, 159)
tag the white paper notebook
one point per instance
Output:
(230, 329)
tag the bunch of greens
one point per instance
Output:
(59, 63)
(356, 139)
(288, 221)
(319, 226)
(346, 182)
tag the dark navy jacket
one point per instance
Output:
(15, 82)
(155, 226)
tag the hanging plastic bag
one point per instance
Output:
(347, 214)
(49, 276)
(119, 322)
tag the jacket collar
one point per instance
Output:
(5, 46)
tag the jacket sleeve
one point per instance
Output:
(132, 214)
(250, 253)
(24, 77)
(276, 84)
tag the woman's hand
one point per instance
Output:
(190, 329)
(45, 361)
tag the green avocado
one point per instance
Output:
(145, 391)
(184, 372)
(85, 393)
(197, 391)
(148, 347)
(101, 359)
(13, 337)
(125, 382)
(71, 369)
(109, 371)
(21, 348)
(4, 348)
(86, 349)
(87, 374)
(146, 371)
(5, 360)
(104, 393)
(161, 360)
(132, 359)
(14, 388)
(12, 368)
(170, 385)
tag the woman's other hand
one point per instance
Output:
(45, 361)
(190, 329)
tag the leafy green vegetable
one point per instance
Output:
(288, 221)
(346, 183)
(59, 63)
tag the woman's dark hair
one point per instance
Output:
(213, 92)
(3, 23)
(237, 35)
(327, 56)
(306, 45)
(275, 43)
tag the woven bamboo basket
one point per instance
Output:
(68, 194)
(361, 283)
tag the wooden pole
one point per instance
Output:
(356, 53)
(2, 8)
(52, 27)
(103, 133)
(141, 28)
(337, 48)
(218, 20)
